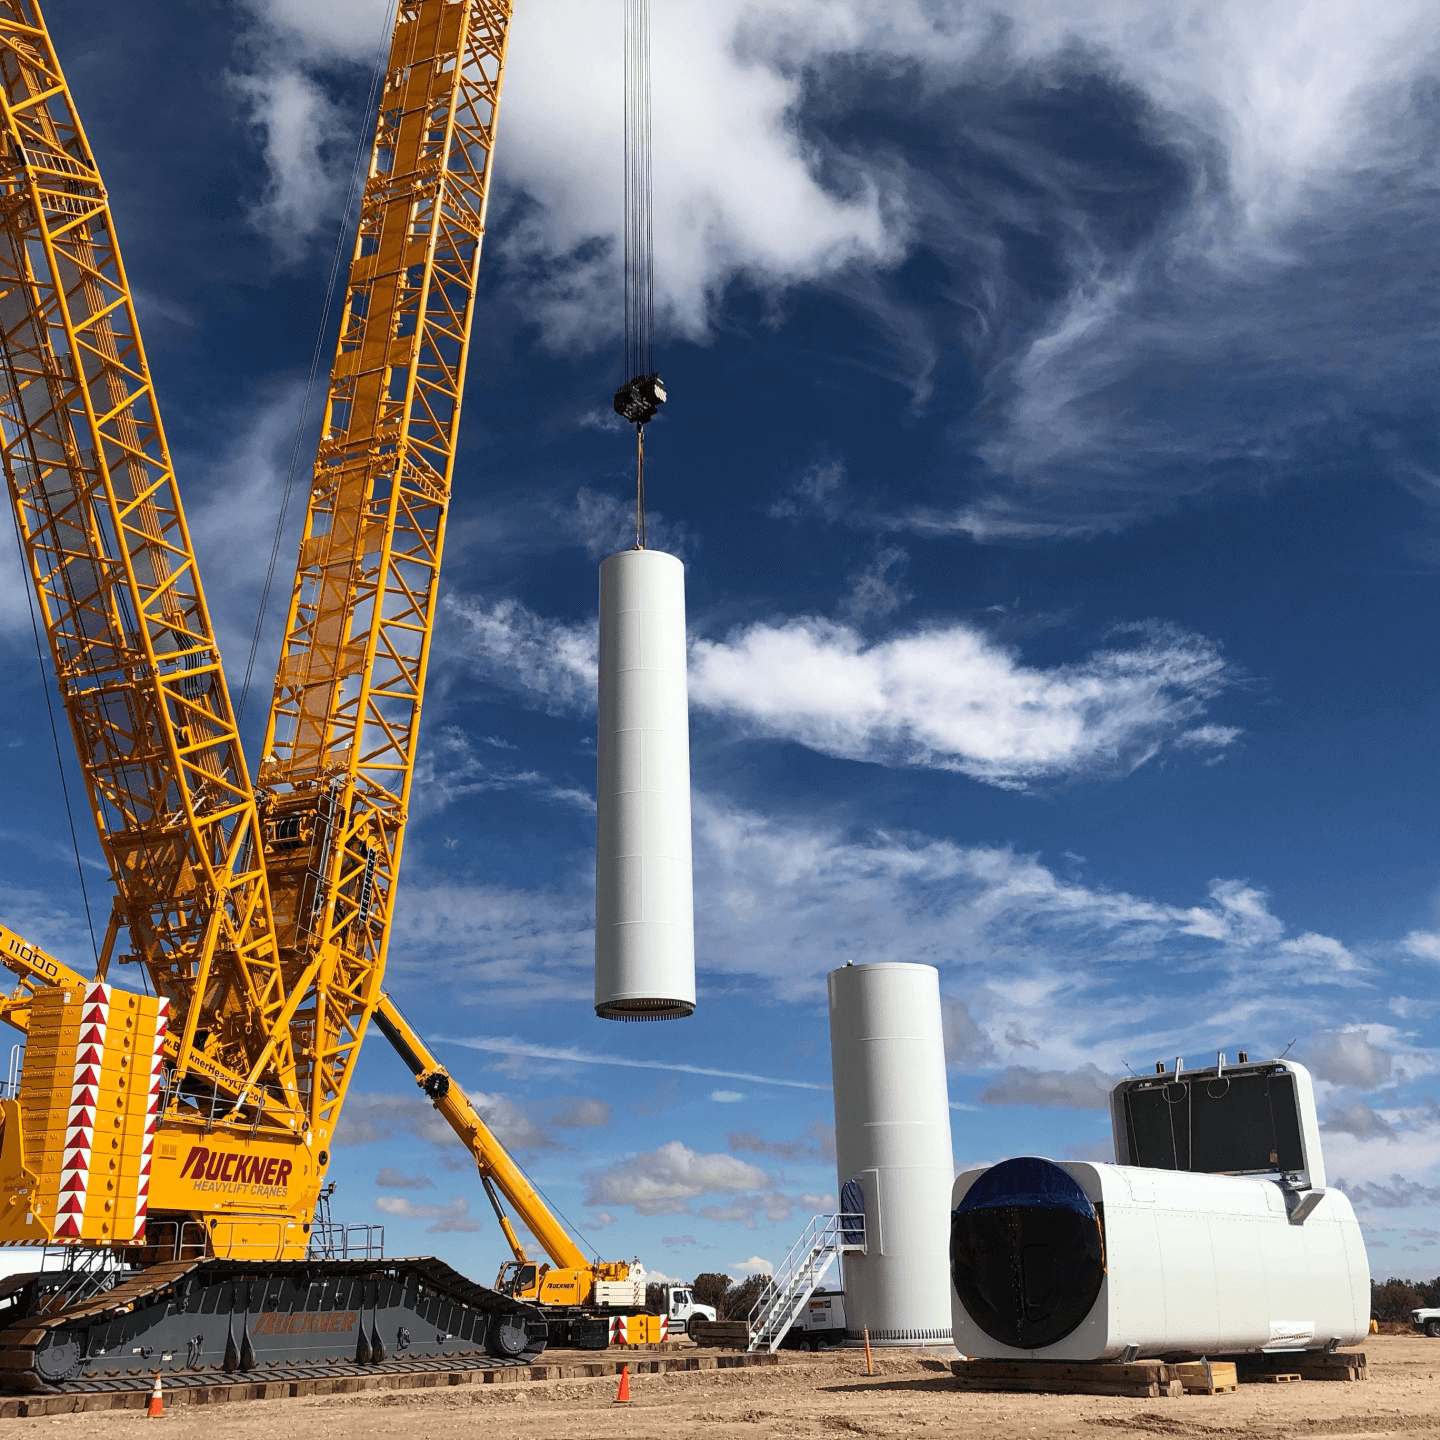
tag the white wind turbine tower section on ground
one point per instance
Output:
(892, 1149)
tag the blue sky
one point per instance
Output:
(1050, 447)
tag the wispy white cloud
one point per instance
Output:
(14, 583)
(1207, 737)
(308, 142)
(1271, 138)
(41, 919)
(392, 1178)
(663, 1181)
(1347, 1057)
(1359, 1120)
(1422, 945)
(605, 523)
(233, 498)
(378, 1115)
(1399, 1192)
(553, 665)
(504, 1045)
(303, 135)
(878, 590)
(449, 768)
(451, 1218)
(816, 1142)
(1085, 1089)
(1083, 975)
(584, 1112)
(946, 696)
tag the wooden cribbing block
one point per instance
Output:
(1143, 1379)
(727, 1334)
(1307, 1364)
(1206, 1377)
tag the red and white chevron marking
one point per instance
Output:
(80, 1126)
(152, 1115)
(620, 1328)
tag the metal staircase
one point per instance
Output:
(795, 1279)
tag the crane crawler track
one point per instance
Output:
(196, 1320)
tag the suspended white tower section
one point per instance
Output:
(644, 910)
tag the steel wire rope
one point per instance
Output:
(639, 356)
(130, 622)
(639, 228)
(530, 1178)
(362, 145)
(573, 1226)
(19, 419)
(55, 738)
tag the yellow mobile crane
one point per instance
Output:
(184, 1135)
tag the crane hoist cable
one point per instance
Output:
(344, 230)
(55, 738)
(643, 393)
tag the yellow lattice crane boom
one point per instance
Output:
(188, 1132)
(339, 752)
(114, 571)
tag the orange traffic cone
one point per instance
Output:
(157, 1401)
(623, 1397)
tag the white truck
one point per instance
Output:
(1427, 1322)
(681, 1308)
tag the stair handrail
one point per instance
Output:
(792, 1282)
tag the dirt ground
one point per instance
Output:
(827, 1395)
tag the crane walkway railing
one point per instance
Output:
(796, 1277)
(10, 1088)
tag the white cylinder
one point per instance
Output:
(1179, 1264)
(892, 1149)
(644, 907)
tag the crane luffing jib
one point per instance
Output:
(269, 998)
(340, 744)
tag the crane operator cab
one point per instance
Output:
(518, 1277)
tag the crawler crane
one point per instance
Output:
(177, 1141)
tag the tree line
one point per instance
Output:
(1394, 1299)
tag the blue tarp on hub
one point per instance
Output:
(1030, 1181)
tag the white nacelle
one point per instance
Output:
(644, 910)
(1192, 1264)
